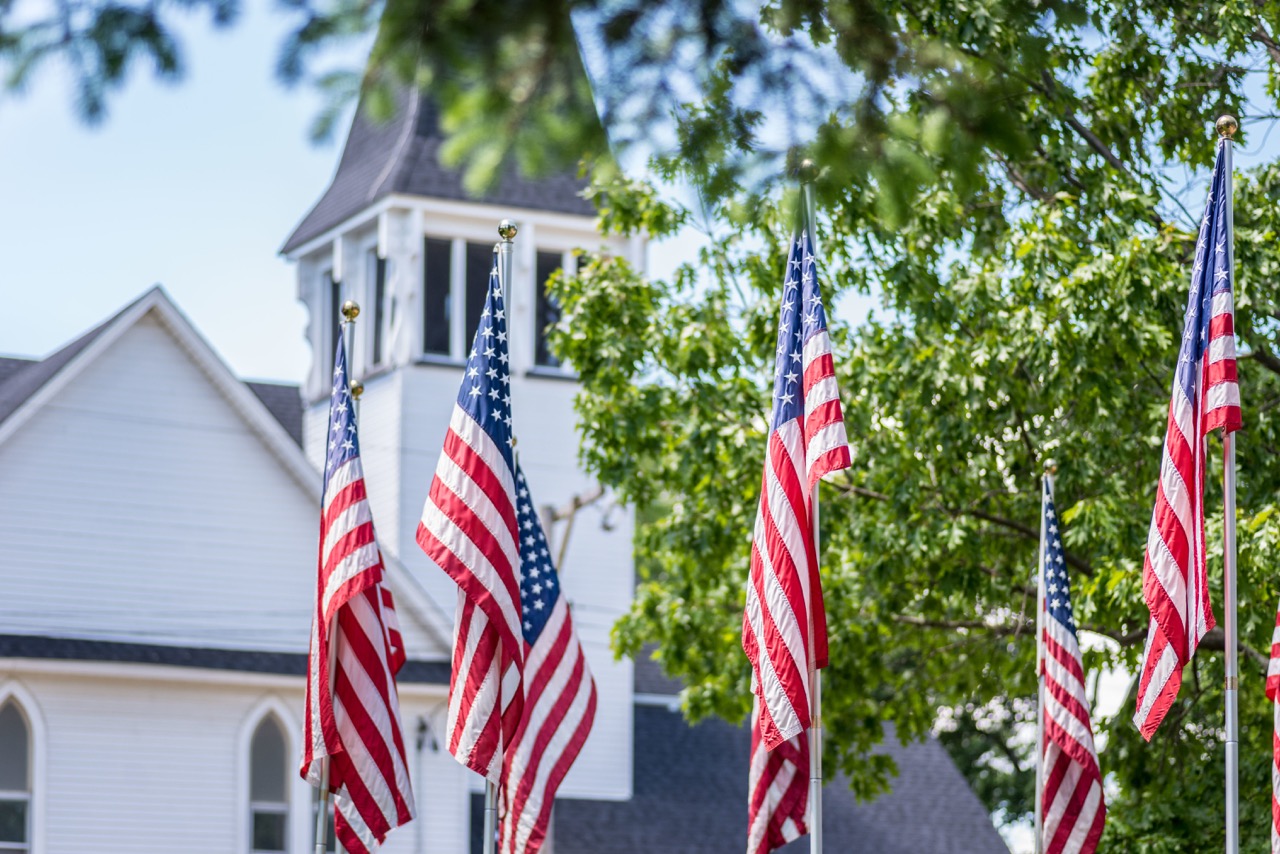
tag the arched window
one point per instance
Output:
(268, 788)
(15, 779)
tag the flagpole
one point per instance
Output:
(1226, 127)
(350, 311)
(507, 231)
(1046, 485)
(807, 173)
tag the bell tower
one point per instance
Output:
(396, 231)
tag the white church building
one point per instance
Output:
(158, 524)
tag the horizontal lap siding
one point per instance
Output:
(598, 571)
(138, 505)
(140, 766)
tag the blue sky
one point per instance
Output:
(194, 186)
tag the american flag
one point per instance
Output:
(560, 695)
(1273, 694)
(469, 529)
(1205, 396)
(355, 721)
(1073, 806)
(784, 630)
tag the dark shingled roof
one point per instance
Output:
(402, 155)
(690, 797)
(19, 381)
(21, 378)
(241, 660)
(648, 677)
(284, 401)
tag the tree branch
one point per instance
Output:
(1213, 641)
(1262, 357)
(1026, 531)
(1264, 38)
(996, 629)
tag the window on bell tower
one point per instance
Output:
(437, 303)
(547, 312)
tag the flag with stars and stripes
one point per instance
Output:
(1071, 800)
(353, 719)
(1205, 396)
(784, 629)
(469, 529)
(560, 695)
(1273, 694)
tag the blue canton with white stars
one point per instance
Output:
(1057, 594)
(1210, 275)
(486, 387)
(803, 316)
(343, 444)
(539, 582)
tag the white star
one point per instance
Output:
(786, 399)
(538, 605)
(791, 376)
(475, 391)
(493, 393)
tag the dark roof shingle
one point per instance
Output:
(284, 401)
(240, 660)
(402, 155)
(690, 797)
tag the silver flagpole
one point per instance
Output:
(350, 311)
(507, 231)
(1046, 486)
(807, 174)
(1226, 127)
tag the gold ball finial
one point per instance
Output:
(507, 229)
(351, 309)
(808, 171)
(1227, 126)
(357, 389)
(1051, 466)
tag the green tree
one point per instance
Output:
(1017, 183)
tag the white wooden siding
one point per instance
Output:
(142, 766)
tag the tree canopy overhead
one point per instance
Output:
(1018, 184)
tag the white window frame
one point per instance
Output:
(299, 825)
(569, 265)
(14, 692)
(376, 314)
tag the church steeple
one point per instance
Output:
(402, 155)
(396, 232)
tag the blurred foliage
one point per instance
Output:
(1015, 181)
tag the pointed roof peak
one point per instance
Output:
(402, 155)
